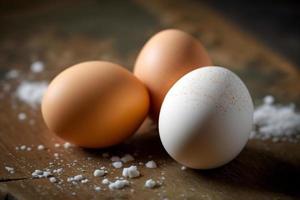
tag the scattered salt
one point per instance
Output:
(10, 169)
(40, 174)
(151, 164)
(131, 172)
(56, 145)
(37, 173)
(31, 92)
(117, 164)
(37, 67)
(150, 183)
(97, 188)
(183, 168)
(118, 184)
(59, 170)
(28, 148)
(76, 179)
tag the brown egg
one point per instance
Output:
(95, 104)
(165, 58)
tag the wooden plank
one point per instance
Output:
(63, 34)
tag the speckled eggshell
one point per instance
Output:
(206, 118)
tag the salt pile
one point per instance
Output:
(276, 122)
(31, 92)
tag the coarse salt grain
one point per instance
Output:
(59, 170)
(105, 181)
(37, 67)
(78, 177)
(183, 167)
(127, 158)
(52, 179)
(40, 147)
(118, 184)
(131, 172)
(22, 116)
(23, 147)
(97, 188)
(56, 145)
(99, 172)
(67, 145)
(117, 164)
(150, 183)
(151, 164)
(84, 181)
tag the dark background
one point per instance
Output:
(275, 22)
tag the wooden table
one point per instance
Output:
(63, 33)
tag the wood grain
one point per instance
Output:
(64, 33)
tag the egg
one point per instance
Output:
(165, 58)
(95, 104)
(206, 118)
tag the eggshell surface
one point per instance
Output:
(95, 104)
(165, 58)
(206, 118)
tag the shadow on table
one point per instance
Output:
(258, 170)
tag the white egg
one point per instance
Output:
(206, 118)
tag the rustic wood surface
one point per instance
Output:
(63, 33)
